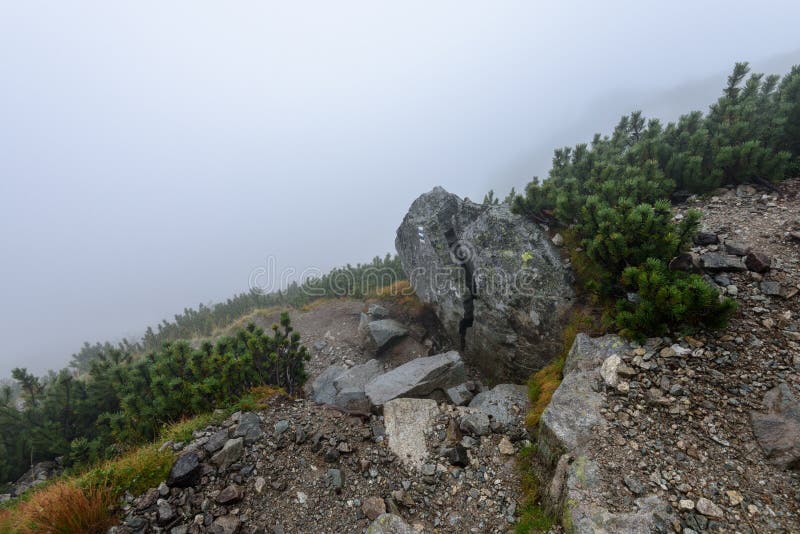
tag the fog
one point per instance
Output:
(152, 154)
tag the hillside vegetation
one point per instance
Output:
(612, 198)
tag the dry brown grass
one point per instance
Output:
(314, 304)
(402, 294)
(62, 508)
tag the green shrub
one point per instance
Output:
(662, 299)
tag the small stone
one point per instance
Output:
(428, 470)
(506, 447)
(708, 508)
(185, 471)
(230, 453)
(260, 483)
(736, 249)
(734, 497)
(373, 507)
(476, 424)
(558, 240)
(302, 498)
(163, 489)
(281, 427)
(636, 487)
(165, 512)
(758, 262)
(457, 456)
(230, 495)
(686, 504)
(335, 479)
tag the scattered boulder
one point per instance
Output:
(715, 262)
(376, 311)
(505, 404)
(373, 507)
(249, 428)
(421, 377)
(390, 524)
(230, 495)
(736, 249)
(476, 424)
(322, 389)
(459, 395)
(758, 262)
(406, 421)
(349, 385)
(383, 331)
(704, 239)
(229, 454)
(495, 280)
(778, 430)
(216, 441)
(185, 471)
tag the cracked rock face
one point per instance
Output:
(497, 283)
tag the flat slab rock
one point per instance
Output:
(343, 387)
(405, 421)
(567, 428)
(420, 377)
(505, 404)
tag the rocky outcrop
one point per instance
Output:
(778, 430)
(384, 331)
(496, 281)
(422, 377)
(568, 425)
(38, 474)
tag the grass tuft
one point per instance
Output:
(62, 508)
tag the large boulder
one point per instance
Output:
(345, 387)
(421, 377)
(497, 283)
(384, 331)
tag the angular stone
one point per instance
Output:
(476, 424)
(771, 288)
(226, 524)
(230, 495)
(457, 456)
(384, 331)
(758, 262)
(185, 471)
(706, 238)
(390, 524)
(736, 249)
(249, 428)
(406, 421)
(778, 430)
(505, 404)
(497, 283)
(373, 507)
(376, 311)
(322, 389)
(715, 262)
(418, 378)
(216, 441)
(230, 453)
(349, 385)
(708, 508)
(459, 395)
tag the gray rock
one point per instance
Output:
(226, 524)
(373, 507)
(567, 427)
(476, 424)
(706, 238)
(457, 456)
(505, 404)
(376, 311)
(390, 524)
(165, 512)
(778, 430)
(322, 389)
(230, 453)
(736, 249)
(349, 385)
(383, 331)
(216, 441)
(758, 262)
(496, 282)
(280, 427)
(715, 262)
(771, 288)
(249, 428)
(406, 421)
(459, 395)
(418, 378)
(185, 471)
(230, 495)
(335, 478)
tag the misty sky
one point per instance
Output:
(152, 154)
